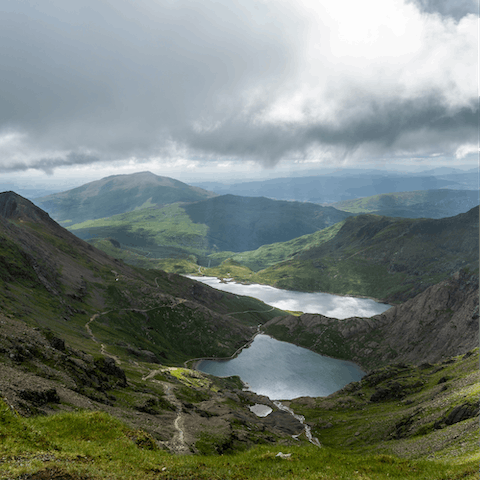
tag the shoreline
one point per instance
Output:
(198, 360)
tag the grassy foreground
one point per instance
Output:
(90, 445)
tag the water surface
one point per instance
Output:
(283, 371)
(333, 306)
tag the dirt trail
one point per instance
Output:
(89, 330)
(177, 444)
(103, 349)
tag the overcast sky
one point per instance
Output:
(97, 87)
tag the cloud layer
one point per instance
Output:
(90, 81)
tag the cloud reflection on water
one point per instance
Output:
(333, 306)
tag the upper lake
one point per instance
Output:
(329, 305)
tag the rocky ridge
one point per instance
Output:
(440, 322)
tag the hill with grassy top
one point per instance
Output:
(152, 232)
(117, 194)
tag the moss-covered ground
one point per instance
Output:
(93, 445)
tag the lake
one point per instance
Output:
(283, 371)
(329, 305)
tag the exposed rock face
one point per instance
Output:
(14, 206)
(440, 322)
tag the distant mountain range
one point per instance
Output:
(283, 243)
(327, 189)
(419, 204)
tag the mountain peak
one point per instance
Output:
(14, 206)
(118, 194)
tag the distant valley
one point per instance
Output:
(392, 255)
(88, 340)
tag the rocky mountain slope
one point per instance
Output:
(82, 330)
(440, 322)
(48, 271)
(174, 408)
(117, 194)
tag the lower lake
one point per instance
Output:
(283, 371)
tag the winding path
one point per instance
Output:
(177, 444)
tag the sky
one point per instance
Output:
(234, 89)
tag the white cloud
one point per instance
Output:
(86, 82)
(465, 150)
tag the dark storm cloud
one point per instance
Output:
(456, 9)
(48, 164)
(89, 81)
(124, 78)
(425, 125)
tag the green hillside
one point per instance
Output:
(48, 274)
(117, 194)
(93, 383)
(417, 204)
(381, 257)
(246, 223)
(390, 259)
(268, 255)
(229, 223)
(94, 446)
(155, 232)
